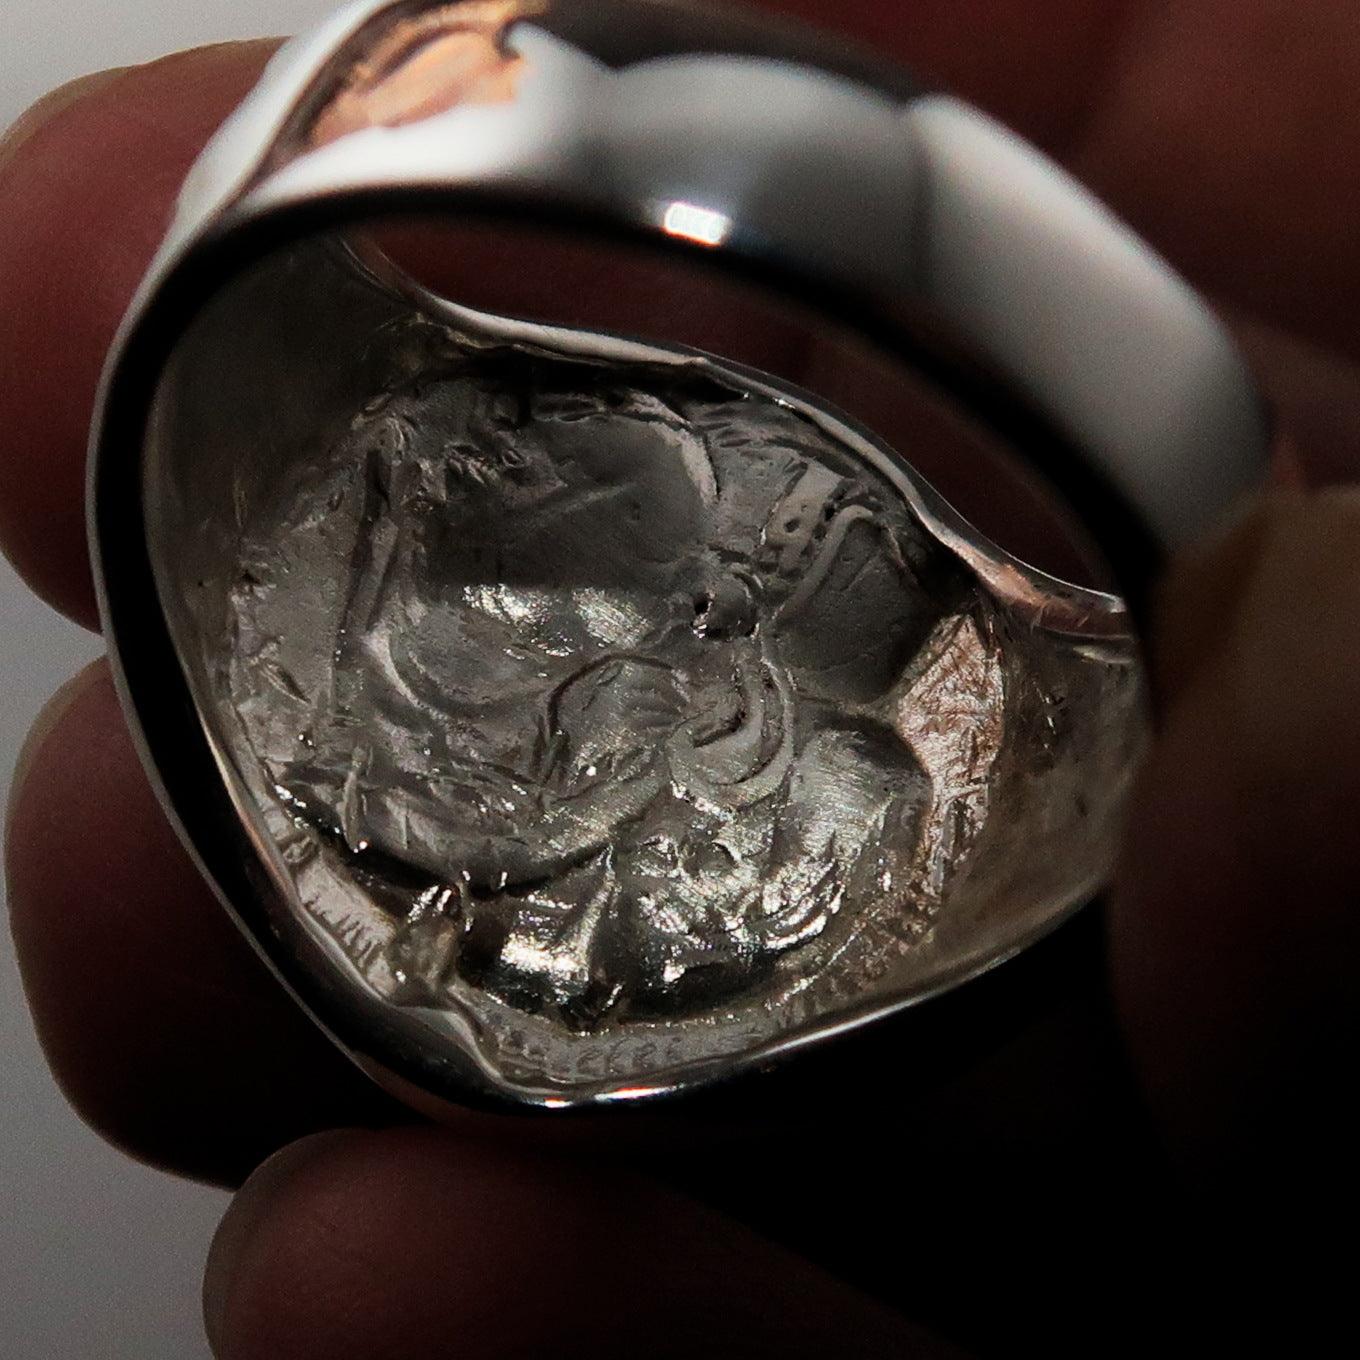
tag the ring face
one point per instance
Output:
(567, 718)
(585, 680)
(631, 703)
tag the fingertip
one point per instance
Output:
(44, 725)
(249, 1214)
(88, 178)
(49, 108)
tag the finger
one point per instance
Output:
(1236, 938)
(410, 1243)
(87, 178)
(165, 1031)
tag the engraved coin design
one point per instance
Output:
(615, 683)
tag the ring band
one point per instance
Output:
(569, 717)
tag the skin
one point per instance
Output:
(1155, 1155)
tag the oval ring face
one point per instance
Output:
(615, 720)
(569, 718)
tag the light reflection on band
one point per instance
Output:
(693, 223)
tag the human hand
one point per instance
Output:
(1048, 1180)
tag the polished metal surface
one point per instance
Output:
(568, 717)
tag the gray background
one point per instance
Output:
(98, 1257)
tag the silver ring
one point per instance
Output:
(570, 717)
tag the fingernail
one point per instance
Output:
(47, 721)
(252, 1205)
(50, 106)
